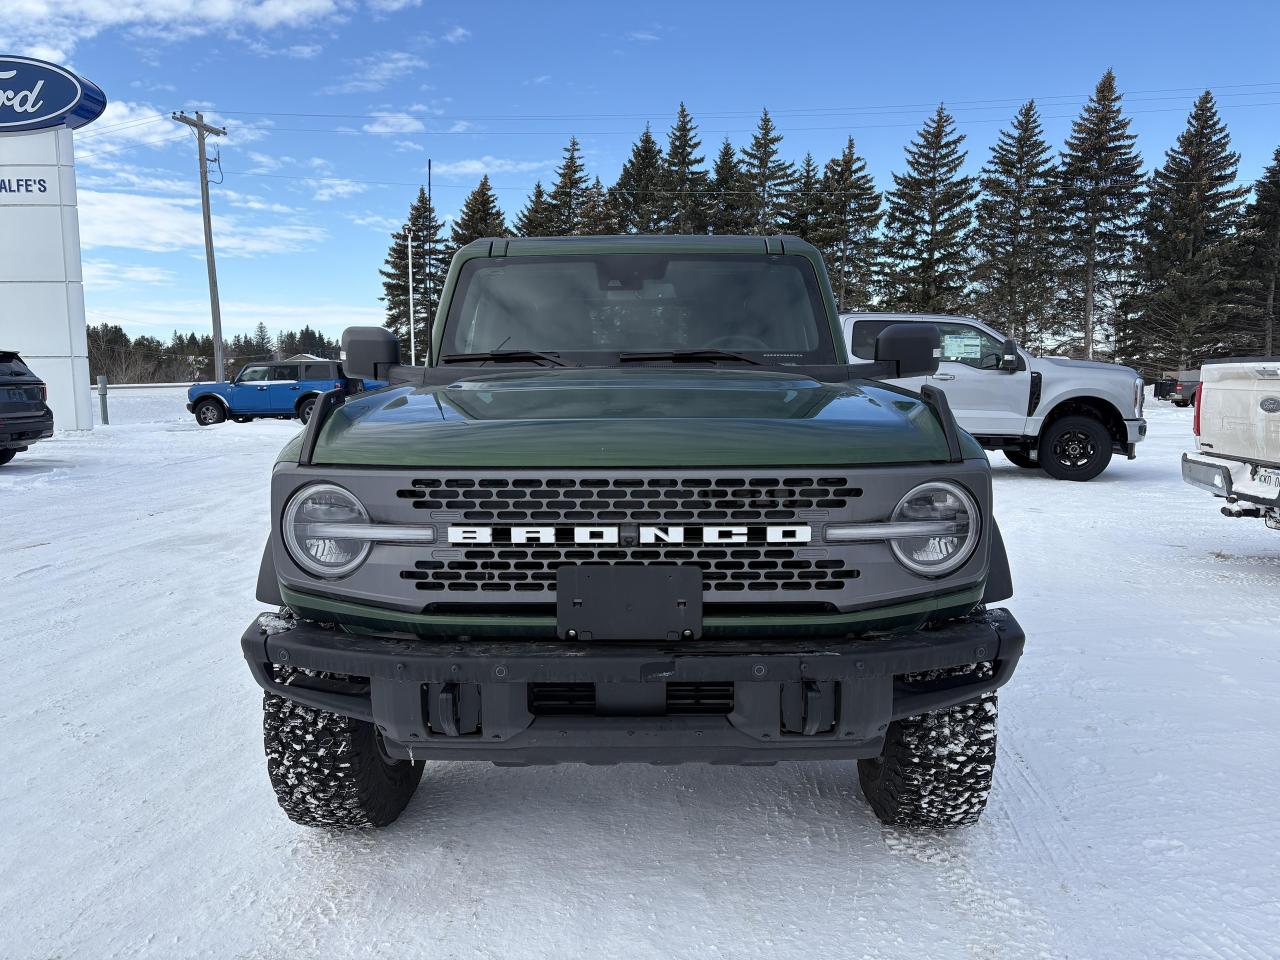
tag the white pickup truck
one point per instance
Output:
(1237, 427)
(1064, 416)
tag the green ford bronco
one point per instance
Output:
(638, 506)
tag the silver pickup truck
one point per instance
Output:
(1237, 428)
(1065, 416)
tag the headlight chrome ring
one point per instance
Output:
(312, 530)
(954, 511)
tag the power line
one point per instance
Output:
(130, 146)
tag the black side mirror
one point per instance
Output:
(914, 347)
(366, 349)
(1009, 356)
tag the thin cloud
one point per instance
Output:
(388, 124)
(457, 35)
(489, 164)
(373, 73)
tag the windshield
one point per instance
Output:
(768, 308)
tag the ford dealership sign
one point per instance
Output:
(35, 95)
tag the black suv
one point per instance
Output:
(24, 415)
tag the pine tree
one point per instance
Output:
(1184, 260)
(687, 185)
(729, 210)
(566, 195)
(1258, 259)
(848, 216)
(1101, 193)
(480, 217)
(598, 216)
(803, 201)
(430, 264)
(927, 227)
(262, 345)
(767, 178)
(538, 218)
(638, 195)
(1018, 227)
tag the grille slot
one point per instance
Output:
(528, 571)
(579, 699)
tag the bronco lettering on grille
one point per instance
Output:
(633, 534)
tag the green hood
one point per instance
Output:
(646, 417)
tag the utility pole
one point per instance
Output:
(408, 235)
(202, 130)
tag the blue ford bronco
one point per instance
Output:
(282, 390)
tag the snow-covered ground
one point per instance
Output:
(1135, 811)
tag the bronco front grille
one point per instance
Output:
(636, 499)
(744, 570)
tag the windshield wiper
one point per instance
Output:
(684, 356)
(505, 356)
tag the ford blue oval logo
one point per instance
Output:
(35, 95)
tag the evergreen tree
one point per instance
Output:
(1184, 262)
(1101, 193)
(930, 211)
(566, 195)
(638, 195)
(538, 218)
(1019, 221)
(848, 216)
(687, 197)
(598, 215)
(1258, 259)
(766, 177)
(729, 211)
(803, 201)
(261, 344)
(430, 263)
(480, 217)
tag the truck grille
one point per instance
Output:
(532, 569)
(636, 499)
(529, 570)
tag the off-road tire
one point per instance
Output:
(936, 768)
(1020, 458)
(1075, 448)
(6, 456)
(209, 412)
(329, 770)
(1182, 403)
(305, 408)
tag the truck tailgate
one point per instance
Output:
(1240, 410)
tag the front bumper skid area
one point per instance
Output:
(475, 699)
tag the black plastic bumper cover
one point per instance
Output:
(470, 700)
(19, 433)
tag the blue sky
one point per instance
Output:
(334, 106)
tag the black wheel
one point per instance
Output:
(243, 419)
(6, 456)
(1020, 458)
(935, 769)
(1075, 448)
(209, 412)
(1182, 403)
(305, 408)
(332, 771)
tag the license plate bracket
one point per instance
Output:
(606, 602)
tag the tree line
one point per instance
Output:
(1072, 250)
(188, 357)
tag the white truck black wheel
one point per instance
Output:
(936, 768)
(332, 771)
(1075, 448)
(209, 412)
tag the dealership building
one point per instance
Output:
(41, 286)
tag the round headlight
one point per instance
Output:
(953, 509)
(313, 523)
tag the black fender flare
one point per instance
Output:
(268, 586)
(213, 396)
(999, 578)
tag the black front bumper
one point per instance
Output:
(536, 702)
(18, 434)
